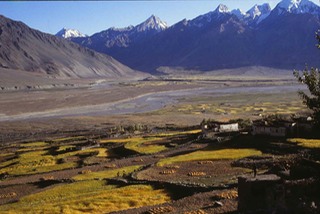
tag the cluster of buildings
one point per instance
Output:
(264, 127)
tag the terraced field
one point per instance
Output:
(167, 167)
(71, 156)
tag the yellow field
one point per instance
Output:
(68, 138)
(34, 144)
(210, 155)
(308, 143)
(35, 158)
(139, 144)
(63, 148)
(236, 108)
(88, 197)
(102, 152)
(147, 144)
(33, 162)
(7, 154)
(236, 105)
(170, 134)
(107, 173)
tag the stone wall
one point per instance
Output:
(263, 193)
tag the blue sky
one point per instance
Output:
(94, 16)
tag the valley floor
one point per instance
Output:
(43, 132)
(210, 96)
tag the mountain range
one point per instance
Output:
(279, 38)
(26, 49)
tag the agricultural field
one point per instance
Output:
(79, 174)
(231, 106)
(306, 143)
(40, 157)
(88, 196)
(76, 180)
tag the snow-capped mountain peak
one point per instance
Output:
(204, 19)
(298, 6)
(70, 33)
(222, 9)
(289, 5)
(153, 22)
(257, 13)
(239, 13)
(258, 10)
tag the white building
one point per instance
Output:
(220, 127)
(231, 127)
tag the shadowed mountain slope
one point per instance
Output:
(26, 49)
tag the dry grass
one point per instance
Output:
(141, 145)
(236, 105)
(85, 172)
(307, 143)
(87, 197)
(64, 148)
(6, 154)
(195, 212)
(120, 140)
(171, 134)
(194, 174)
(239, 108)
(210, 155)
(34, 144)
(68, 139)
(228, 194)
(148, 144)
(160, 210)
(102, 152)
(106, 173)
(33, 162)
(168, 172)
(8, 195)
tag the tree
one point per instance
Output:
(311, 78)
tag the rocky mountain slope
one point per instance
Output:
(26, 49)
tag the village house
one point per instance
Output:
(266, 129)
(281, 128)
(220, 127)
(211, 128)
